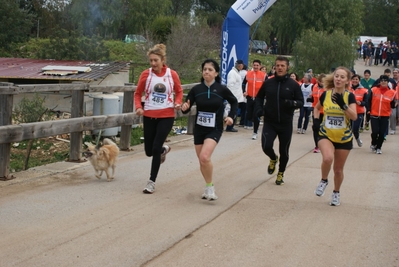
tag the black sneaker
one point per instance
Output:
(279, 180)
(272, 165)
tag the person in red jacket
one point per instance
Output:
(380, 102)
(361, 100)
(162, 95)
(317, 91)
(254, 80)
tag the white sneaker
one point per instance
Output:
(209, 193)
(372, 148)
(335, 199)
(359, 142)
(254, 136)
(321, 188)
(165, 151)
(298, 131)
(392, 132)
(378, 151)
(150, 188)
(303, 131)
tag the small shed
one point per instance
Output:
(40, 71)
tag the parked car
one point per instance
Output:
(258, 46)
(134, 38)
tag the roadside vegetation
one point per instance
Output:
(315, 34)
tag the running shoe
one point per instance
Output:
(378, 151)
(279, 180)
(299, 130)
(316, 150)
(321, 188)
(254, 136)
(359, 142)
(303, 131)
(335, 199)
(165, 151)
(360, 130)
(367, 126)
(272, 166)
(209, 193)
(392, 132)
(372, 148)
(150, 188)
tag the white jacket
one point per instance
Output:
(234, 83)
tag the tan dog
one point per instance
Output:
(103, 157)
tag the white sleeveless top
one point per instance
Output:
(306, 92)
(159, 91)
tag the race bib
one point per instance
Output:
(158, 100)
(335, 122)
(206, 119)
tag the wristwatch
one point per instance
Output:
(345, 107)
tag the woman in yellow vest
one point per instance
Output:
(335, 133)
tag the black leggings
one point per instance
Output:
(156, 131)
(379, 126)
(269, 133)
(316, 134)
(251, 116)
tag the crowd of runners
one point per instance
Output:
(340, 105)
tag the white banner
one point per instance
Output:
(375, 39)
(251, 10)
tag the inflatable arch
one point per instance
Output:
(235, 32)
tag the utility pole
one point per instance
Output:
(38, 23)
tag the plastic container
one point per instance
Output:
(106, 104)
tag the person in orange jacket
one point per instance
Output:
(163, 95)
(254, 80)
(361, 101)
(380, 102)
(317, 91)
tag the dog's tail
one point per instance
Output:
(108, 141)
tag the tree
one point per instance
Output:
(188, 45)
(290, 18)
(322, 51)
(181, 7)
(213, 6)
(381, 19)
(161, 27)
(15, 24)
(97, 17)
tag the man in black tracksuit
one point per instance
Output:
(283, 95)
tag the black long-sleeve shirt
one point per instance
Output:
(211, 99)
(283, 95)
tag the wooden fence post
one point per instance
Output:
(6, 102)
(126, 130)
(76, 137)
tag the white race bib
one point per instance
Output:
(158, 100)
(335, 122)
(206, 119)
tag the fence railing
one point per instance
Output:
(76, 125)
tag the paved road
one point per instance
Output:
(61, 215)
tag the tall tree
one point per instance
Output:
(291, 18)
(381, 19)
(213, 6)
(97, 17)
(15, 23)
(181, 7)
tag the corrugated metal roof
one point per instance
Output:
(25, 68)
